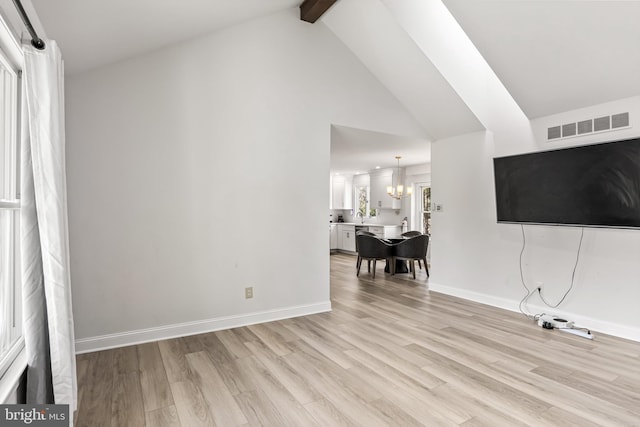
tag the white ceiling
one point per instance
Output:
(93, 33)
(556, 56)
(552, 56)
(356, 151)
(384, 47)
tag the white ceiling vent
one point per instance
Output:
(584, 127)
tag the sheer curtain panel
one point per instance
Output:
(48, 328)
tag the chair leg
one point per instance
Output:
(358, 267)
(374, 268)
(392, 266)
(369, 266)
(420, 264)
(426, 267)
(413, 268)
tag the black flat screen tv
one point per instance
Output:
(593, 185)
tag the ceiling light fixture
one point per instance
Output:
(397, 191)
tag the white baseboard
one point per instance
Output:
(610, 328)
(123, 339)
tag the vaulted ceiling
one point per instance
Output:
(551, 56)
(556, 56)
(355, 151)
(93, 33)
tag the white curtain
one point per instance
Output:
(48, 327)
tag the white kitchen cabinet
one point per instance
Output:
(392, 231)
(378, 230)
(333, 237)
(349, 241)
(386, 231)
(379, 181)
(341, 192)
(346, 237)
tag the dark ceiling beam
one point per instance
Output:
(311, 10)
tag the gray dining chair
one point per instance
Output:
(413, 233)
(371, 248)
(412, 249)
(363, 233)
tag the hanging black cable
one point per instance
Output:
(36, 41)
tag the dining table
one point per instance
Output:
(401, 265)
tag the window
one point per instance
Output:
(10, 289)
(423, 199)
(362, 202)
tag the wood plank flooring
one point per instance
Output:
(391, 353)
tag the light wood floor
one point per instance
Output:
(390, 353)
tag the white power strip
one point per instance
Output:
(548, 321)
(579, 332)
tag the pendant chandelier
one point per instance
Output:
(397, 191)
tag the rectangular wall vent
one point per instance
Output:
(568, 130)
(584, 127)
(554, 132)
(619, 120)
(602, 123)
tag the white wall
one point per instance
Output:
(476, 258)
(180, 164)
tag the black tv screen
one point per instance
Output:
(593, 185)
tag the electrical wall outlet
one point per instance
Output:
(248, 292)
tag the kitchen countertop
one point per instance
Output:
(367, 224)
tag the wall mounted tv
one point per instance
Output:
(593, 185)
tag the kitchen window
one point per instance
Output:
(362, 201)
(10, 281)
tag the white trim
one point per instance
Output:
(122, 339)
(14, 362)
(9, 381)
(610, 328)
(9, 204)
(11, 46)
(11, 355)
